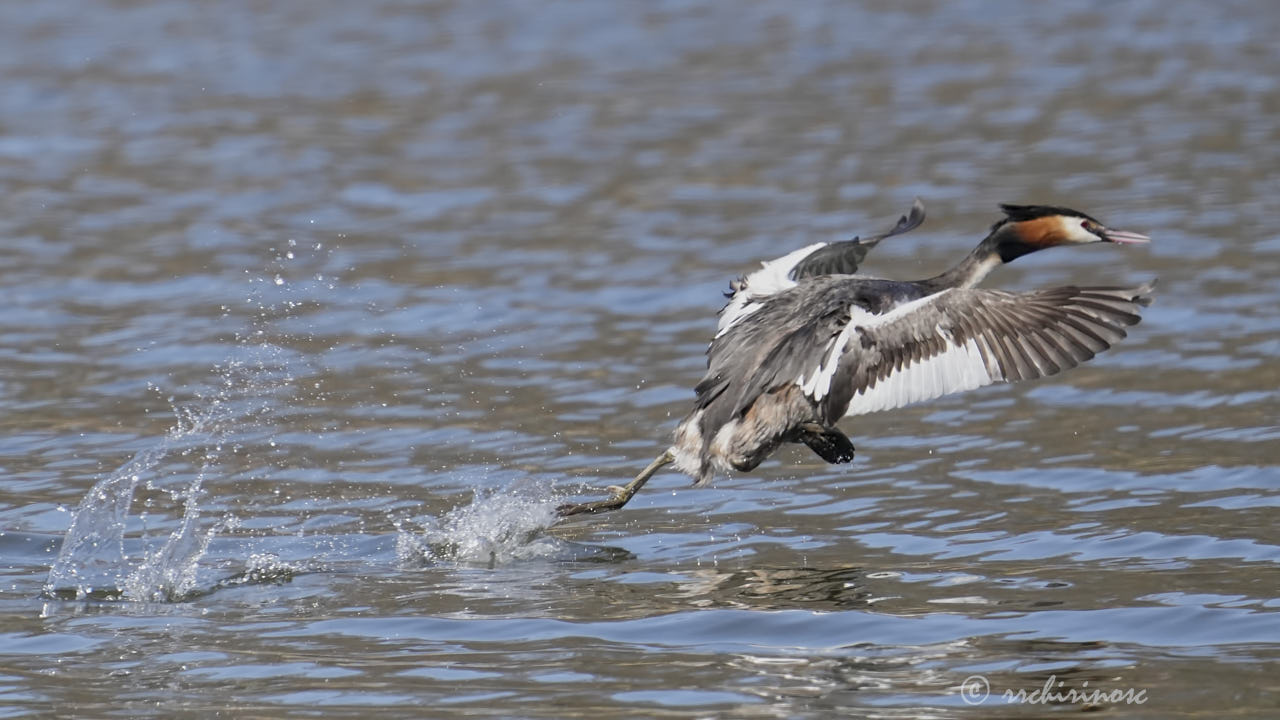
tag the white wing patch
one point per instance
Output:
(956, 369)
(772, 277)
(819, 383)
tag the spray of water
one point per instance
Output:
(92, 555)
(92, 562)
(495, 528)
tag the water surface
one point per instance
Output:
(319, 309)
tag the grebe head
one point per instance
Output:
(1027, 228)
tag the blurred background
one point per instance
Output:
(334, 301)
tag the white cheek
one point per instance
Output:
(1074, 231)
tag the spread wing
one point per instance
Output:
(749, 292)
(961, 339)
(852, 351)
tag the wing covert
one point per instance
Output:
(961, 339)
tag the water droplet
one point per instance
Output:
(279, 280)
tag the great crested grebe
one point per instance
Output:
(804, 342)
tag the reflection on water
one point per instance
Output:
(777, 588)
(313, 313)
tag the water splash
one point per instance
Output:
(169, 574)
(260, 569)
(497, 527)
(258, 383)
(92, 562)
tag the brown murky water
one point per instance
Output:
(335, 300)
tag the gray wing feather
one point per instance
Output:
(778, 343)
(844, 257)
(1020, 336)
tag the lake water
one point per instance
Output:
(312, 313)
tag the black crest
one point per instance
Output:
(1022, 213)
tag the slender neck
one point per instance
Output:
(971, 270)
(1001, 246)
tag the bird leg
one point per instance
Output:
(621, 495)
(829, 443)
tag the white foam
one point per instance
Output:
(496, 527)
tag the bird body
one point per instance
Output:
(786, 365)
(806, 341)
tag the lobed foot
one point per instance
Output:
(829, 443)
